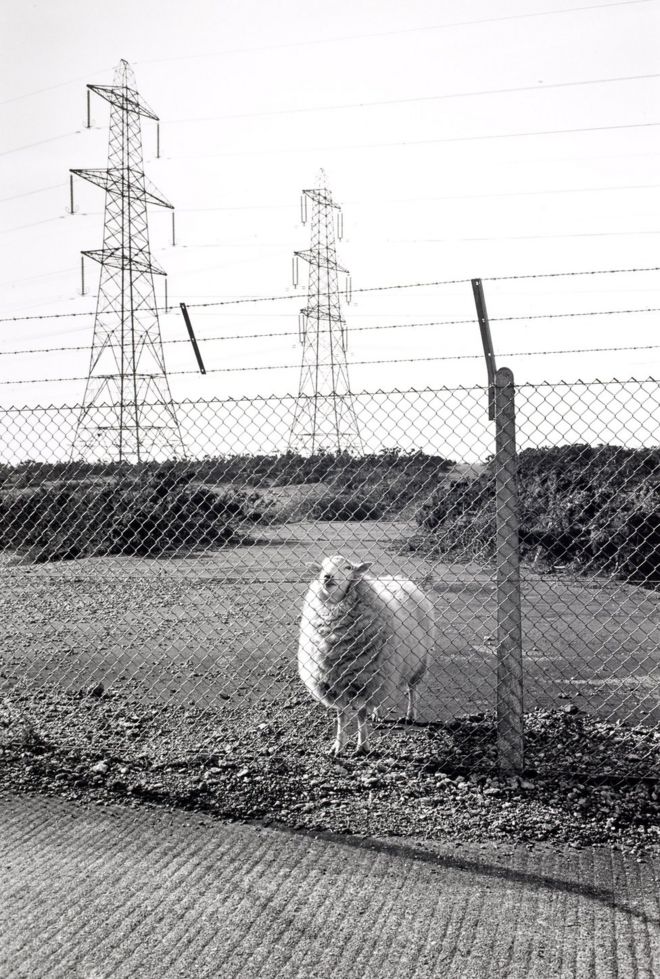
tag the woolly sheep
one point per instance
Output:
(362, 638)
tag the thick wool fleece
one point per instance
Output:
(375, 642)
(341, 650)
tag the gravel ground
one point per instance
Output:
(433, 782)
(202, 707)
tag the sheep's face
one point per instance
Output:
(336, 576)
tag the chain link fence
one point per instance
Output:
(152, 609)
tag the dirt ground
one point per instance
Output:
(221, 627)
(175, 681)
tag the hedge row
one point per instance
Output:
(596, 508)
(125, 515)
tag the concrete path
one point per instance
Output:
(104, 892)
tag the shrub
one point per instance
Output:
(343, 505)
(398, 476)
(459, 518)
(589, 507)
(128, 515)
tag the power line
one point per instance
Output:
(416, 142)
(33, 224)
(362, 363)
(398, 241)
(401, 31)
(39, 275)
(30, 193)
(426, 241)
(41, 142)
(368, 146)
(51, 88)
(413, 200)
(533, 193)
(577, 234)
(380, 201)
(361, 289)
(479, 93)
(333, 40)
(444, 197)
(354, 329)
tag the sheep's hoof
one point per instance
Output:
(408, 721)
(334, 751)
(362, 749)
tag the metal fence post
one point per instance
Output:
(510, 745)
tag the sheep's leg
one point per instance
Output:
(375, 715)
(411, 712)
(363, 730)
(341, 737)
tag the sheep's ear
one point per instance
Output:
(359, 569)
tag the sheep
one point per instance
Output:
(362, 638)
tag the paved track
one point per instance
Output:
(101, 892)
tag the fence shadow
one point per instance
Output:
(486, 868)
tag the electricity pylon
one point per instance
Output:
(127, 413)
(324, 416)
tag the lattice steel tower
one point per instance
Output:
(324, 416)
(127, 414)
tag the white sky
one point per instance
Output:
(253, 98)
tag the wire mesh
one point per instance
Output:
(153, 612)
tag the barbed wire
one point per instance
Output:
(419, 360)
(361, 363)
(354, 329)
(361, 289)
(246, 336)
(557, 275)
